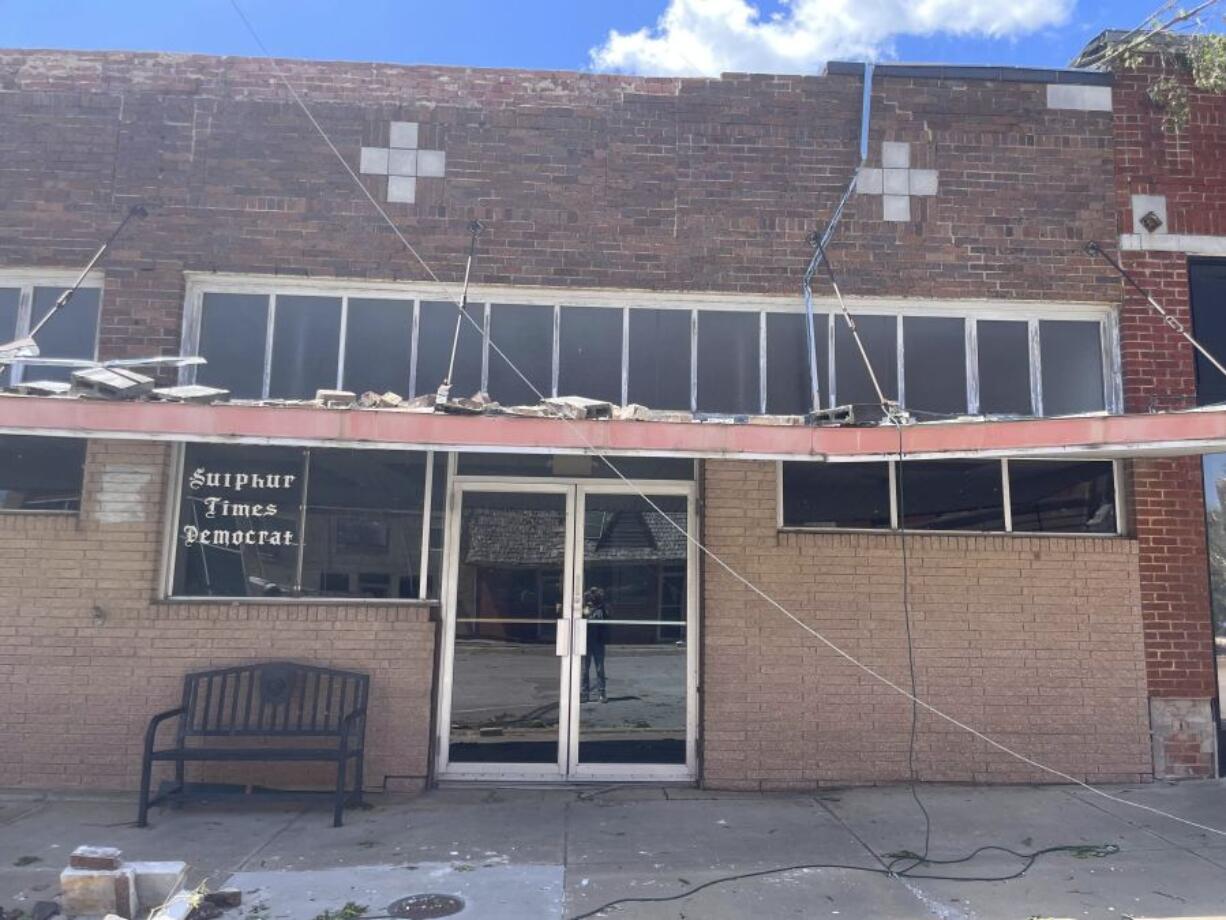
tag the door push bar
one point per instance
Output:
(572, 637)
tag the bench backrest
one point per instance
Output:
(270, 698)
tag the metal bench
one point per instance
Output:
(321, 712)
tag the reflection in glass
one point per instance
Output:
(1004, 367)
(41, 474)
(1055, 496)
(70, 333)
(1072, 365)
(836, 494)
(233, 328)
(951, 495)
(633, 678)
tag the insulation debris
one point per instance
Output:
(579, 407)
(335, 399)
(191, 393)
(112, 382)
(42, 388)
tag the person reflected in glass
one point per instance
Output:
(595, 611)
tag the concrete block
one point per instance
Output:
(1142, 205)
(1081, 98)
(895, 182)
(895, 155)
(404, 134)
(157, 882)
(127, 902)
(922, 181)
(402, 189)
(402, 163)
(87, 857)
(88, 892)
(373, 161)
(431, 163)
(896, 208)
(869, 181)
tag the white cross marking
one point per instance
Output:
(896, 182)
(402, 162)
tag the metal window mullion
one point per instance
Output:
(423, 568)
(302, 516)
(556, 361)
(340, 345)
(625, 355)
(1036, 368)
(1006, 495)
(895, 516)
(693, 360)
(413, 340)
(25, 310)
(485, 347)
(269, 331)
(972, 365)
(830, 358)
(1112, 372)
(762, 362)
(1121, 510)
(901, 382)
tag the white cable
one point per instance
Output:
(690, 538)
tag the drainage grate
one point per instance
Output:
(425, 906)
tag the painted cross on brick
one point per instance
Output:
(403, 162)
(896, 182)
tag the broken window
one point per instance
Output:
(787, 362)
(524, 334)
(590, 353)
(934, 352)
(71, 333)
(41, 474)
(1004, 367)
(830, 495)
(305, 345)
(378, 345)
(435, 330)
(1048, 496)
(364, 519)
(1071, 357)
(951, 495)
(729, 362)
(233, 329)
(852, 384)
(659, 372)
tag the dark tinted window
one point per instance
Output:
(729, 362)
(1060, 497)
(852, 385)
(70, 333)
(590, 353)
(951, 495)
(787, 362)
(436, 328)
(836, 494)
(525, 335)
(41, 474)
(573, 465)
(378, 345)
(305, 346)
(363, 523)
(1072, 360)
(934, 360)
(1004, 367)
(9, 299)
(660, 358)
(1207, 286)
(233, 331)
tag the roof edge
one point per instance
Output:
(961, 72)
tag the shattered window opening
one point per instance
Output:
(41, 474)
(70, 333)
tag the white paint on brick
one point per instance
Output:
(1081, 98)
(1191, 244)
(122, 495)
(1142, 205)
(1178, 721)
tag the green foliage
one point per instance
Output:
(1207, 60)
(1201, 65)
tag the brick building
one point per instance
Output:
(645, 240)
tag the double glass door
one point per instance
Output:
(569, 649)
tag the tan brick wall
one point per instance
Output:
(1036, 641)
(87, 653)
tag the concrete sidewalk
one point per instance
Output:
(547, 854)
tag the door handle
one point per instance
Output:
(580, 636)
(563, 642)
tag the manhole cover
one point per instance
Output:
(425, 906)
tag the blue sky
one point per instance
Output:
(546, 34)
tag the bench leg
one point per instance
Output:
(359, 779)
(338, 807)
(146, 775)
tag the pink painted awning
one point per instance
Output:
(1161, 434)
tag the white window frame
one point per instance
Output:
(26, 280)
(970, 311)
(1117, 485)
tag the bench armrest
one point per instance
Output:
(352, 721)
(152, 730)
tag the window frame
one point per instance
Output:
(26, 280)
(1117, 485)
(969, 310)
(54, 512)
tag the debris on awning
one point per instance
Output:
(191, 393)
(42, 387)
(578, 407)
(335, 399)
(112, 382)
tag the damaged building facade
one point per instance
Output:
(643, 244)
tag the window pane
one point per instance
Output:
(438, 523)
(729, 362)
(934, 356)
(660, 358)
(305, 341)
(41, 474)
(1059, 497)
(1004, 368)
(787, 362)
(9, 298)
(574, 466)
(435, 330)
(1072, 361)
(1207, 289)
(363, 524)
(852, 385)
(525, 336)
(239, 519)
(590, 353)
(233, 329)
(836, 494)
(71, 333)
(951, 495)
(378, 345)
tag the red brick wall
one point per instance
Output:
(87, 655)
(1035, 641)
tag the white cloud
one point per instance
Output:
(715, 36)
